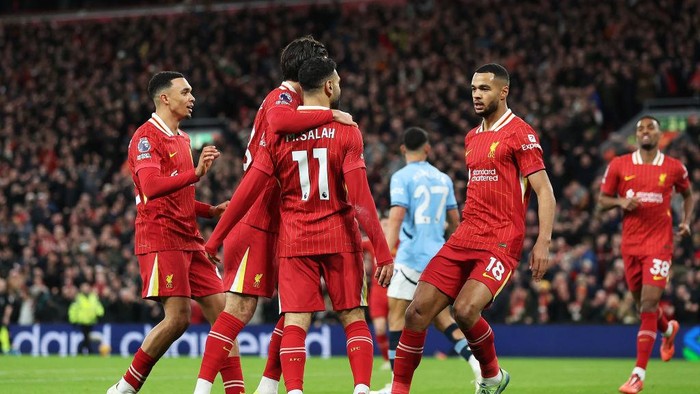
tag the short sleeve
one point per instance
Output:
(451, 200)
(144, 152)
(528, 151)
(398, 190)
(682, 182)
(354, 153)
(608, 185)
(263, 158)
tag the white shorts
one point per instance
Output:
(403, 283)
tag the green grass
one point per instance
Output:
(177, 375)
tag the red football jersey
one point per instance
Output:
(310, 166)
(264, 214)
(627, 176)
(499, 161)
(167, 222)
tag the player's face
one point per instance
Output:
(335, 90)
(648, 134)
(180, 98)
(487, 92)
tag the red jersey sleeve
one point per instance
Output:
(528, 151)
(145, 153)
(263, 159)
(286, 119)
(682, 183)
(354, 154)
(611, 178)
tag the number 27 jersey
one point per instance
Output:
(317, 217)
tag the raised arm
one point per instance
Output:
(285, 119)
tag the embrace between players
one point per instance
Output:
(297, 210)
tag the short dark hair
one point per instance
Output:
(497, 70)
(296, 53)
(162, 80)
(651, 118)
(414, 138)
(315, 72)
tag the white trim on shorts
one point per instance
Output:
(403, 283)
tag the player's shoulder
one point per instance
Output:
(623, 159)
(283, 94)
(672, 161)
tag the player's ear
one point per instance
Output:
(504, 92)
(328, 87)
(403, 149)
(163, 98)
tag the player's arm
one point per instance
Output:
(539, 258)
(608, 198)
(360, 197)
(204, 210)
(688, 207)
(396, 215)
(284, 119)
(452, 222)
(242, 199)
(154, 185)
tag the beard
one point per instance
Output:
(490, 109)
(335, 104)
(648, 146)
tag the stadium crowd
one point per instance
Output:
(578, 73)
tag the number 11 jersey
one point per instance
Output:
(316, 216)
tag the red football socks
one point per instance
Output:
(646, 338)
(481, 341)
(408, 355)
(293, 357)
(383, 343)
(360, 351)
(232, 376)
(661, 322)
(219, 343)
(139, 369)
(273, 368)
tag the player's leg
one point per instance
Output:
(269, 382)
(379, 312)
(634, 273)
(380, 333)
(347, 289)
(490, 274)
(447, 325)
(165, 278)
(300, 295)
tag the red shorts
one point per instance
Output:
(646, 270)
(452, 266)
(300, 282)
(178, 273)
(250, 261)
(378, 301)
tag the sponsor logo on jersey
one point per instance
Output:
(629, 177)
(144, 146)
(657, 198)
(172, 154)
(530, 146)
(143, 156)
(662, 179)
(492, 149)
(485, 175)
(532, 138)
(658, 277)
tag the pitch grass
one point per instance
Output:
(30, 375)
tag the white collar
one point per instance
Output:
(500, 123)
(658, 159)
(160, 125)
(287, 85)
(311, 107)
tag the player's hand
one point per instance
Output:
(683, 230)
(206, 159)
(217, 210)
(539, 259)
(629, 204)
(383, 274)
(343, 117)
(213, 258)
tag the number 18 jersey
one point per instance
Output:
(427, 194)
(316, 216)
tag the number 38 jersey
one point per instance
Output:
(427, 194)
(316, 216)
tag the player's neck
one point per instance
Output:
(490, 120)
(648, 156)
(169, 120)
(315, 100)
(295, 85)
(415, 157)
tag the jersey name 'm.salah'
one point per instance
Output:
(652, 184)
(499, 161)
(167, 222)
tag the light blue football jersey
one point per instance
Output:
(427, 194)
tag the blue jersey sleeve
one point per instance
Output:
(451, 200)
(398, 190)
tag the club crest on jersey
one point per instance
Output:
(144, 146)
(258, 278)
(492, 149)
(284, 98)
(662, 179)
